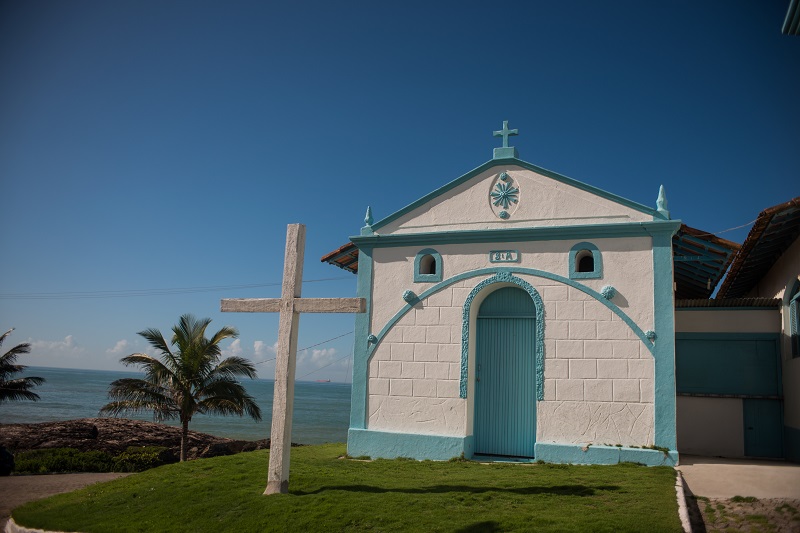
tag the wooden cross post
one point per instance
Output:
(289, 305)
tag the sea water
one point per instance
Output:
(321, 410)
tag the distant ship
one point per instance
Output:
(322, 381)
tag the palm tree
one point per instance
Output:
(19, 388)
(191, 379)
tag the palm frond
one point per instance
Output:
(231, 406)
(189, 332)
(8, 359)
(225, 393)
(4, 335)
(120, 407)
(155, 370)
(18, 389)
(134, 395)
(19, 349)
(235, 366)
(7, 370)
(227, 332)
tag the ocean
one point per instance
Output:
(321, 410)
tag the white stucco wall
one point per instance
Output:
(710, 426)
(598, 374)
(542, 201)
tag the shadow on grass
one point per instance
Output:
(480, 527)
(561, 490)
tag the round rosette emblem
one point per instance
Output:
(504, 196)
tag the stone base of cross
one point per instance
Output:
(289, 305)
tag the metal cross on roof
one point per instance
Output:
(505, 133)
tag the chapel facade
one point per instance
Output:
(515, 312)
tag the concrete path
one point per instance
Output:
(17, 490)
(715, 477)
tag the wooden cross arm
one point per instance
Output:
(301, 305)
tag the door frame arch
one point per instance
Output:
(468, 327)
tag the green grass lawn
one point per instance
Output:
(332, 494)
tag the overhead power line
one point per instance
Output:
(309, 347)
(729, 229)
(79, 295)
(324, 366)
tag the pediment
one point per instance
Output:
(512, 194)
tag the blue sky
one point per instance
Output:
(166, 145)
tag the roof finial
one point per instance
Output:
(368, 220)
(661, 203)
(505, 151)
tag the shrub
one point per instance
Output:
(58, 460)
(140, 458)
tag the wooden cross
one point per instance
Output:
(505, 133)
(289, 305)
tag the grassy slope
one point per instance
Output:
(330, 494)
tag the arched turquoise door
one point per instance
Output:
(505, 375)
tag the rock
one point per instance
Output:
(115, 435)
(6, 462)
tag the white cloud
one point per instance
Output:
(118, 348)
(321, 364)
(261, 350)
(234, 350)
(55, 353)
(323, 357)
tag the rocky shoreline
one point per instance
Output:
(115, 435)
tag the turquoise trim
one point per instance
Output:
(608, 292)
(664, 327)
(504, 276)
(502, 159)
(505, 133)
(530, 271)
(504, 194)
(538, 233)
(428, 278)
(603, 455)
(390, 445)
(504, 256)
(505, 153)
(661, 202)
(597, 258)
(410, 297)
(361, 353)
(364, 350)
(368, 220)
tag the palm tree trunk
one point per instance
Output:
(184, 439)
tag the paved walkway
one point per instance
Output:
(17, 490)
(715, 477)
